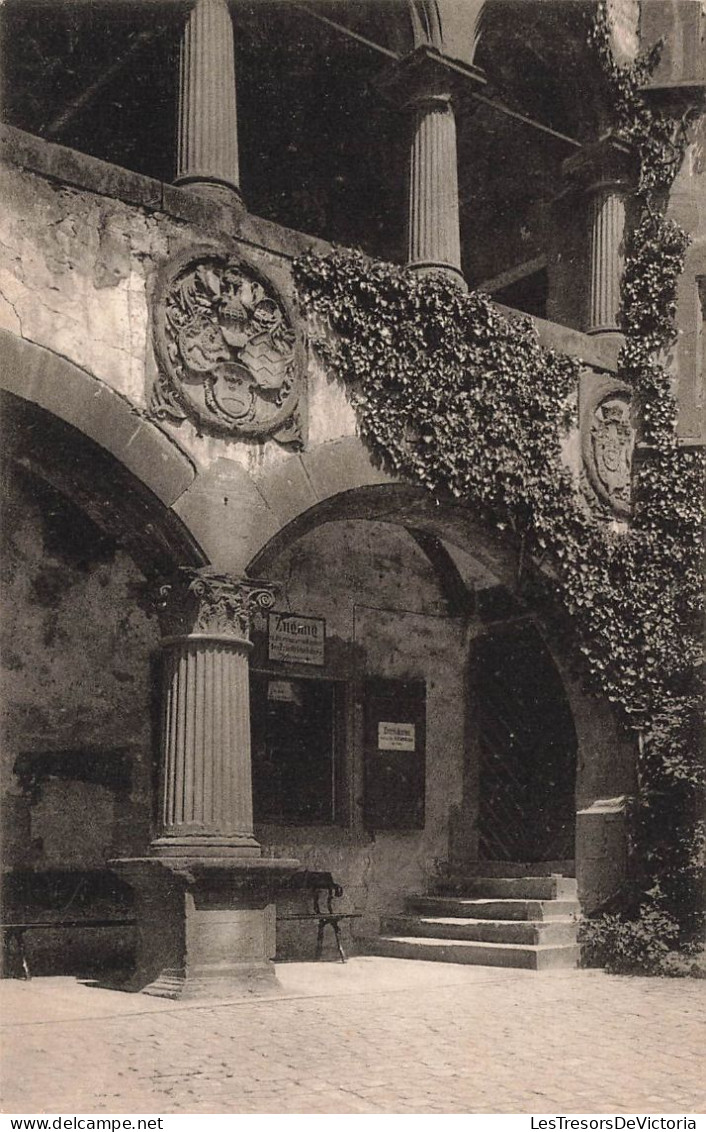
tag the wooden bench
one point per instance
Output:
(319, 883)
(14, 934)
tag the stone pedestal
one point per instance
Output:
(205, 898)
(605, 173)
(206, 927)
(207, 144)
(601, 851)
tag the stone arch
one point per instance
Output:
(486, 559)
(338, 480)
(411, 507)
(40, 376)
(66, 428)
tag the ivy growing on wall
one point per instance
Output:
(453, 395)
(666, 540)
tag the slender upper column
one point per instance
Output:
(422, 83)
(207, 150)
(607, 227)
(603, 170)
(433, 228)
(206, 781)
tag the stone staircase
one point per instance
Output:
(496, 921)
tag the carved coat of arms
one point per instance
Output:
(227, 352)
(608, 444)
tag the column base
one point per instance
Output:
(611, 339)
(222, 192)
(206, 845)
(239, 979)
(206, 925)
(453, 274)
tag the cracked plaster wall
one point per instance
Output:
(75, 276)
(76, 676)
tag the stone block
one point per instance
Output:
(205, 927)
(287, 490)
(228, 516)
(601, 850)
(341, 465)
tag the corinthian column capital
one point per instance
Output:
(201, 602)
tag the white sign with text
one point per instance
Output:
(396, 736)
(299, 640)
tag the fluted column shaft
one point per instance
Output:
(206, 786)
(605, 172)
(434, 240)
(207, 149)
(206, 779)
(607, 219)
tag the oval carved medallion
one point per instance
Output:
(228, 355)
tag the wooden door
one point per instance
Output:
(527, 746)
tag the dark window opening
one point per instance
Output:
(528, 294)
(293, 750)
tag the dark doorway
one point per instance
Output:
(527, 746)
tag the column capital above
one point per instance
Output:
(202, 602)
(609, 162)
(426, 75)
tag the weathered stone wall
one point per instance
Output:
(82, 244)
(76, 276)
(76, 679)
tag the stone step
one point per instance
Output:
(535, 958)
(518, 869)
(485, 931)
(488, 909)
(514, 888)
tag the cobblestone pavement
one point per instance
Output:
(378, 1035)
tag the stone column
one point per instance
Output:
(607, 228)
(603, 171)
(604, 174)
(433, 226)
(206, 785)
(207, 147)
(422, 84)
(204, 896)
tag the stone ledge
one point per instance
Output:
(82, 171)
(239, 871)
(592, 350)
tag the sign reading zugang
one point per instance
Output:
(299, 640)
